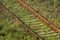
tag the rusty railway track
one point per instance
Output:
(38, 15)
(29, 30)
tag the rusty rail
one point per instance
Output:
(29, 30)
(38, 15)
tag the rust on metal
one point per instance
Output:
(29, 30)
(38, 15)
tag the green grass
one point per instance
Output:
(12, 31)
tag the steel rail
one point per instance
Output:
(29, 30)
(38, 15)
